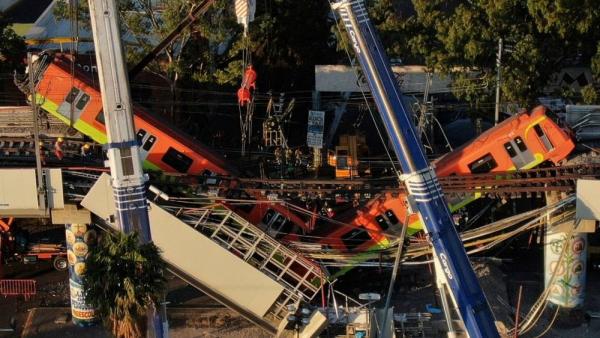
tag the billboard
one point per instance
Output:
(315, 127)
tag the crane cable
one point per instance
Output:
(74, 23)
(246, 119)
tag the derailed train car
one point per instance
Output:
(520, 142)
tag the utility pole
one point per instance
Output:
(498, 80)
(36, 135)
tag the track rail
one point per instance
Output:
(525, 181)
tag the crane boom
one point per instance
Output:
(122, 148)
(419, 177)
(127, 176)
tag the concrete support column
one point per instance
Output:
(80, 240)
(568, 288)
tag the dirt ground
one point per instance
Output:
(192, 314)
(47, 314)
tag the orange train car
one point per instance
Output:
(77, 102)
(522, 141)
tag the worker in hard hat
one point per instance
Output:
(86, 152)
(58, 145)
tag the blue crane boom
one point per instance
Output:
(419, 177)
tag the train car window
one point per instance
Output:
(268, 216)
(483, 165)
(383, 224)
(281, 226)
(177, 160)
(100, 117)
(149, 143)
(520, 144)
(510, 149)
(392, 217)
(543, 137)
(538, 130)
(140, 136)
(83, 101)
(355, 238)
(72, 95)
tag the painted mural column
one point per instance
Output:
(568, 288)
(80, 239)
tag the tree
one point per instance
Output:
(460, 38)
(194, 55)
(12, 54)
(287, 39)
(589, 95)
(12, 47)
(123, 279)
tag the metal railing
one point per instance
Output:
(300, 277)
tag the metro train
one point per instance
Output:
(77, 102)
(522, 141)
(509, 146)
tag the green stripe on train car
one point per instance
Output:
(151, 166)
(82, 126)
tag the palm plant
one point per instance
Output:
(123, 280)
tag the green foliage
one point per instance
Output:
(589, 95)
(122, 279)
(455, 37)
(12, 48)
(287, 39)
(195, 54)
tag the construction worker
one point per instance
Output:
(42, 153)
(85, 152)
(58, 152)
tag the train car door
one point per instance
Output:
(543, 138)
(74, 103)
(145, 141)
(519, 153)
